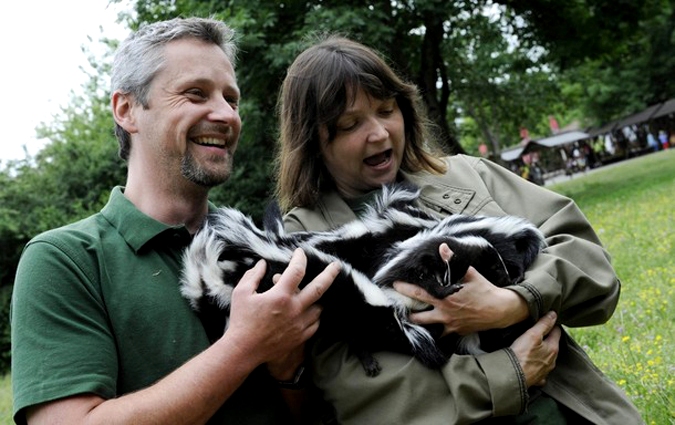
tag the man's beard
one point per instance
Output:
(197, 174)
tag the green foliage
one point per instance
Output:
(635, 73)
(509, 85)
(573, 31)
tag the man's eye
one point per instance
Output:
(233, 101)
(196, 94)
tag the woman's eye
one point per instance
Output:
(347, 126)
(387, 108)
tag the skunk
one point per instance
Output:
(394, 240)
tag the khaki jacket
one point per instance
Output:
(573, 276)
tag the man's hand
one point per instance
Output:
(537, 349)
(275, 324)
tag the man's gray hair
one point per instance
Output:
(141, 56)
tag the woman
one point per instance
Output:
(349, 124)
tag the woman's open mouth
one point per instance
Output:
(379, 159)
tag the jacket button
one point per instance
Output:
(446, 196)
(458, 201)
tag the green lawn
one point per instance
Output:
(632, 207)
(5, 400)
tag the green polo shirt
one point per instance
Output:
(96, 308)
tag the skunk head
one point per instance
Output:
(418, 261)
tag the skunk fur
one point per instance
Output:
(393, 241)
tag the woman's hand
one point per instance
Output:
(478, 306)
(537, 349)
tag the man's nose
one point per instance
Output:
(224, 111)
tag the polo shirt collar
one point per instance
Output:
(137, 228)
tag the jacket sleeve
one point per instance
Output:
(486, 385)
(573, 275)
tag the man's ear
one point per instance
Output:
(122, 109)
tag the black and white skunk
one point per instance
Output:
(393, 241)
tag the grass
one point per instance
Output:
(5, 400)
(632, 207)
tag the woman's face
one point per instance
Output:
(368, 147)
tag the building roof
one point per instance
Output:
(667, 108)
(563, 138)
(640, 117)
(511, 154)
(559, 139)
(650, 113)
(607, 128)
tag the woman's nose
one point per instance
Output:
(377, 131)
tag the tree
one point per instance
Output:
(617, 57)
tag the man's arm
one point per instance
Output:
(263, 328)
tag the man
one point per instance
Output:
(100, 332)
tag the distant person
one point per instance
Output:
(663, 139)
(651, 142)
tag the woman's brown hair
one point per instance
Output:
(319, 85)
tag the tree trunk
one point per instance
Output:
(433, 73)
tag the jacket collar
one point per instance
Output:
(440, 193)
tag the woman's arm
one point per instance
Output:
(573, 275)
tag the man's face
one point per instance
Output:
(191, 125)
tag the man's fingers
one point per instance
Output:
(295, 271)
(320, 284)
(251, 279)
